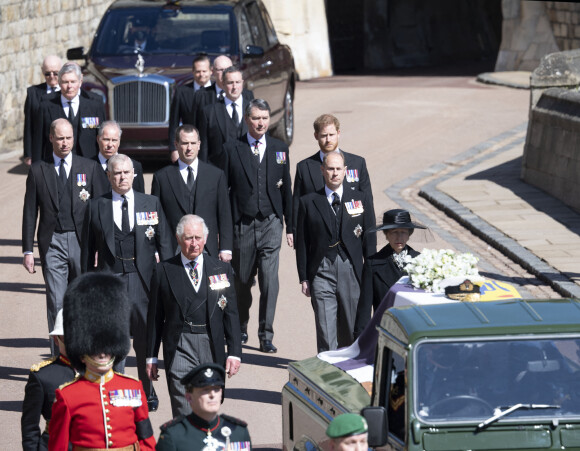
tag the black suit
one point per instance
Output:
(217, 128)
(379, 274)
(258, 236)
(99, 235)
(34, 95)
(90, 114)
(138, 180)
(171, 301)
(334, 280)
(309, 179)
(39, 396)
(211, 202)
(208, 96)
(42, 196)
(183, 110)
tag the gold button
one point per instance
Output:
(108, 419)
(110, 443)
(106, 403)
(109, 426)
(106, 410)
(109, 435)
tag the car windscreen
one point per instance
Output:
(164, 31)
(474, 380)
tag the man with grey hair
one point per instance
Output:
(36, 94)
(109, 139)
(193, 310)
(84, 112)
(125, 233)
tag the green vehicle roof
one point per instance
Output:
(411, 323)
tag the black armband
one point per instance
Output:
(143, 429)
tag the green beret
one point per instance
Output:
(205, 375)
(347, 424)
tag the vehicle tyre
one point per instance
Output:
(285, 128)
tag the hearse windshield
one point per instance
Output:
(165, 31)
(475, 380)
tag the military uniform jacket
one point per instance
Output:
(314, 232)
(190, 433)
(90, 114)
(151, 235)
(169, 302)
(380, 273)
(211, 202)
(39, 395)
(242, 181)
(42, 196)
(100, 412)
(308, 178)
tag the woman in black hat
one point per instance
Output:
(383, 269)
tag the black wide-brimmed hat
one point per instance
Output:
(397, 219)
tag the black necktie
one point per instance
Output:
(335, 203)
(221, 96)
(125, 226)
(193, 272)
(62, 178)
(256, 150)
(235, 117)
(190, 178)
(71, 113)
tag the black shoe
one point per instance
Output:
(244, 338)
(153, 403)
(267, 346)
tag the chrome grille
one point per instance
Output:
(141, 100)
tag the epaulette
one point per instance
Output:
(170, 423)
(234, 420)
(66, 384)
(127, 376)
(34, 368)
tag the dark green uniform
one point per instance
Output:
(192, 433)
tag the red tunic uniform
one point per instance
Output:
(95, 411)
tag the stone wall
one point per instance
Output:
(565, 20)
(551, 158)
(30, 30)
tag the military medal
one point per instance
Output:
(358, 231)
(352, 175)
(125, 398)
(281, 157)
(211, 443)
(354, 208)
(279, 184)
(222, 302)
(90, 122)
(84, 195)
(147, 218)
(219, 281)
(150, 232)
(226, 432)
(81, 179)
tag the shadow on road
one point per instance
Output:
(265, 360)
(11, 406)
(33, 288)
(10, 373)
(20, 169)
(25, 343)
(250, 394)
(6, 242)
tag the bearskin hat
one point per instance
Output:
(96, 318)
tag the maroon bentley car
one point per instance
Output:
(143, 50)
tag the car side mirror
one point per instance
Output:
(253, 51)
(376, 417)
(78, 53)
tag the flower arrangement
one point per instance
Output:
(431, 267)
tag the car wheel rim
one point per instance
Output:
(289, 116)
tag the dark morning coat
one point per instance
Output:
(42, 197)
(99, 236)
(314, 232)
(211, 203)
(380, 273)
(34, 95)
(169, 301)
(308, 178)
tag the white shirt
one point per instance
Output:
(183, 169)
(329, 194)
(75, 104)
(199, 260)
(218, 91)
(50, 89)
(102, 160)
(197, 87)
(239, 108)
(67, 163)
(118, 208)
(261, 146)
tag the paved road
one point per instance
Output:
(402, 125)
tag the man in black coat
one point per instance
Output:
(193, 310)
(83, 112)
(184, 106)
(127, 232)
(45, 377)
(59, 188)
(308, 177)
(331, 243)
(34, 95)
(257, 168)
(222, 121)
(193, 187)
(109, 140)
